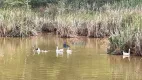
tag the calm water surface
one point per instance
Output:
(88, 60)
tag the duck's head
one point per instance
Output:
(36, 48)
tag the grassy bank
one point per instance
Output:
(130, 37)
(19, 22)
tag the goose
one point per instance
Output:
(69, 51)
(59, 50)
(126, 54)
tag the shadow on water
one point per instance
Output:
(88, 60)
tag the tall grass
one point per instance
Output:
(19, 22)
(130, 37)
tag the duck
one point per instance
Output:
(38, 50)
(65, 45)
(59, 50)
(126, 54)
(69, 51)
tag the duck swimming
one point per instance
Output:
(38, 50)
(69, 51)
(59, 50)
(65, 45)
(126, 54)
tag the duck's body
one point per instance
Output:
(69, 51)
(126, 54)
(65, 45)
(59, 50)
(38, 50)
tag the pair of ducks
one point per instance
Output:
(62, 50)
(57, 50)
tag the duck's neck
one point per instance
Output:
(38, 49)
(57, 48)
(129, 51)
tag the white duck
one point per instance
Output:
(59, 50)
(126, 54)
(69, 51)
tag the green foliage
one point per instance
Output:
(73, 4)
(38, 3)
(14, 3)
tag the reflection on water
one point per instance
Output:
(88, 60)
(59, 54)
(124, 69)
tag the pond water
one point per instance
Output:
(88, 60)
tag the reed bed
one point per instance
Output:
(130, 36)
(19, 23)
(96, 24)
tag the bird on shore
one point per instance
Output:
(126, 54)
